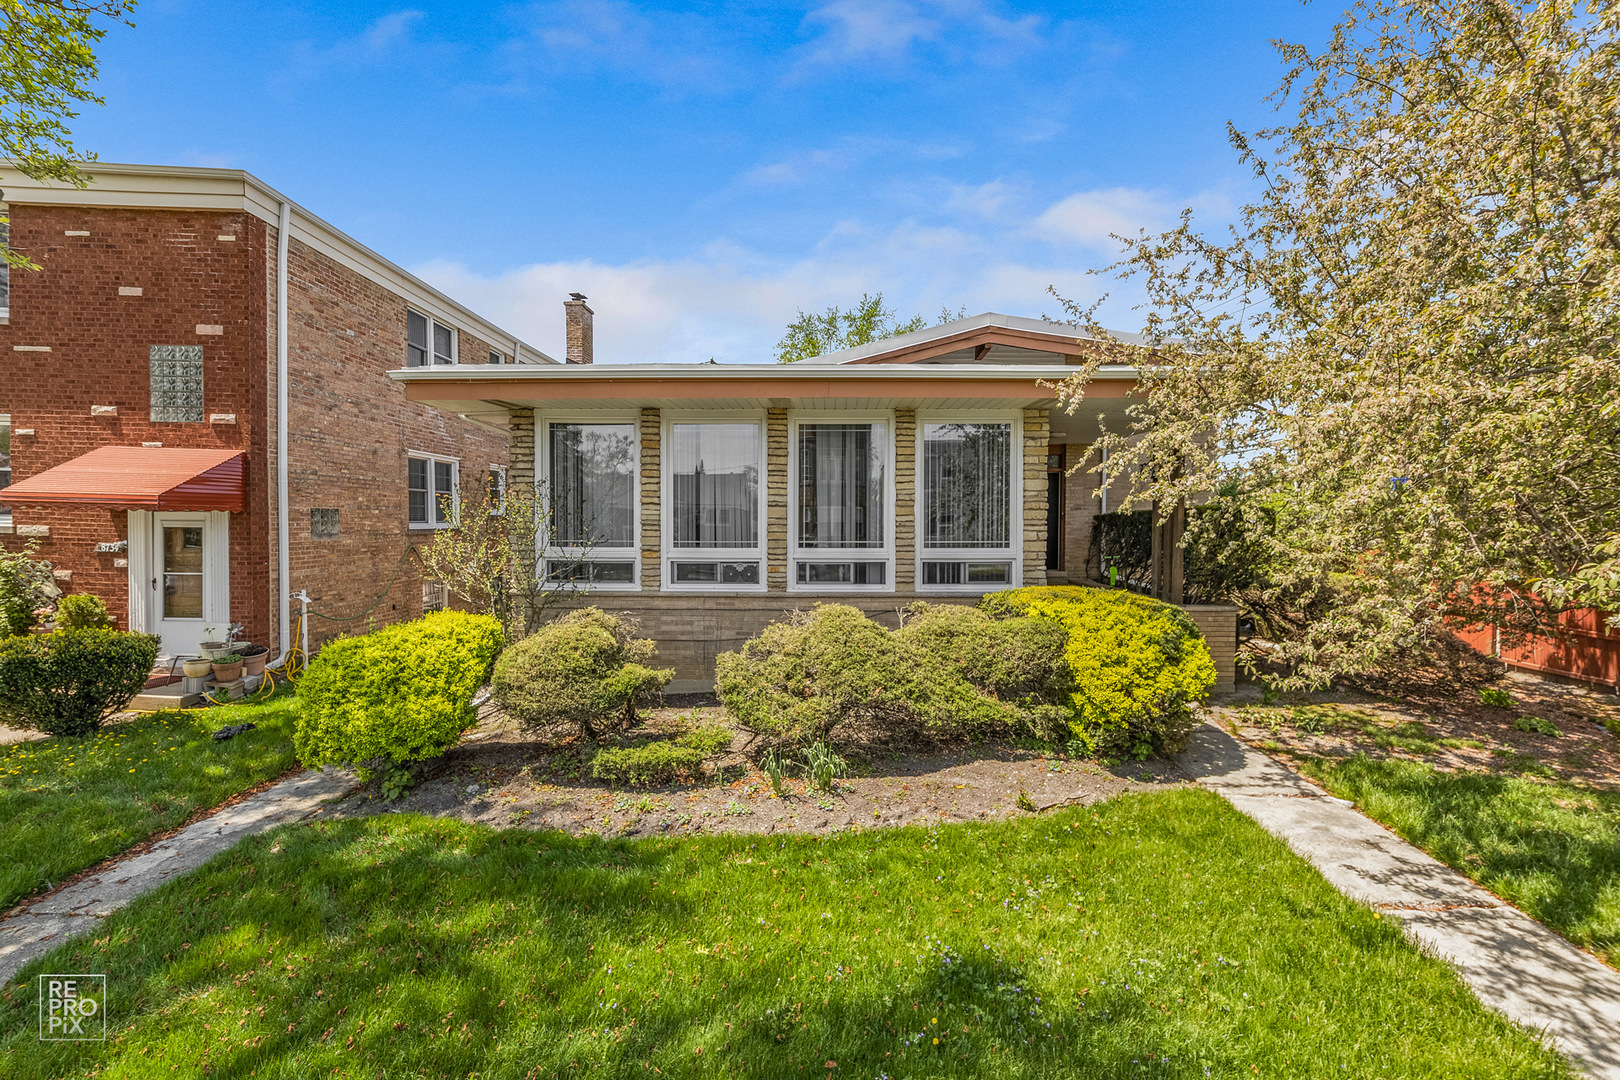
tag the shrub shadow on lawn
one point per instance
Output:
(1092, 942)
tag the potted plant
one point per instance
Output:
(227, 668)
(197, 667)
(254, 657)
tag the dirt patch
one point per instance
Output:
(503, 776)
(1447, 727)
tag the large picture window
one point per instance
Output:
(841, 528)
(714, 504)
(968, 523)
(591, 474)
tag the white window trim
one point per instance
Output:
(670, 554)
(432, 357)
(1014, 553)
(498, 470)
(542, 472)
(455, 491)
(884, 554)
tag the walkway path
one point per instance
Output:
(79, 907)
(1513, 963)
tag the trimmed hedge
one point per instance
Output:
(647, 763)
(64, 683)
(1138, 664)
(821, 670)
(81, 611)
(584, 669)
(1018, 660)
(399, 694)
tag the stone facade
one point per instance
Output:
(652, 482)
(1037, 439)
(776, 500)
(905, 499)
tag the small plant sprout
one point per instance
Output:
(775, 771)
(822, 766)
(1501, 699)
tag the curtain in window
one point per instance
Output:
(593, 484)
(840, 485)
(967, 485)
(714, 470)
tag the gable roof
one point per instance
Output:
(989, 338)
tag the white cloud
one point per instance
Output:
(1093, 218)
(732, 304)
(382, 39)
(672, 49)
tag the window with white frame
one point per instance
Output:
(967, 525)
(5, 461)
(435, 596)
(428, 341)
(840, 498)
(495, 489)
(433, 484)
(5, 267)
(591, 482)
(713, 530)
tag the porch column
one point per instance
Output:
(905, 500)
(520, 453)
(652, 478)
(1037, 434)
(776, 500)
(1169, 561)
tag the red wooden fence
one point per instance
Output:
(1591, 652)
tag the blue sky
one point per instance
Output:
(704, 170)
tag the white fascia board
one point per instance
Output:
(173, 187)
(786, 372)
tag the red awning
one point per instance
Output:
(141, 478)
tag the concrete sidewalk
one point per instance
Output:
(78, 908)
(1513, 963)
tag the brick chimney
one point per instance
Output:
(580, 334)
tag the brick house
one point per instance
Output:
(708, 499)
(141, 435)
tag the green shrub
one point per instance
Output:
(81, 611)
(1536, 725)
(1018, 660)
(64, 683)
(824, 669)
(26, 585)
(646, 763)
(402, 693)
(708, 740)
(1500, 699)
(585, 669)
(1138, 665)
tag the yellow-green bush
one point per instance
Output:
(1138, 664)
(585, 669)
(399, 694)
(802, 679)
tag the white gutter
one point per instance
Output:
(283, 526)
(786, 373)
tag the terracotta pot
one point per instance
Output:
(254, 664)
(197, 669)
(228, 673)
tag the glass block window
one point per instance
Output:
(323, 522)
(177, 384)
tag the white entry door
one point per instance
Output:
(183, 575)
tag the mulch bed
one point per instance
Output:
(1446, 725)
(503, 776)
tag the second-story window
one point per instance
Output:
(427, 341)
(432, 483)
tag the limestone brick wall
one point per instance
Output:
(905, 499)
(776, 500)
(1037, 434)
(1219, 624)
(520, 473)
(652, 441)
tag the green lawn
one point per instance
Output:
(1159, 935)
(66, 804)
(1551, 849)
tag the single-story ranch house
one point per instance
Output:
(707, 499)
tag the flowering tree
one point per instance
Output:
(1407, 347)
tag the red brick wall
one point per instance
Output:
(99, 344)
(350, 431)
(350, 426)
